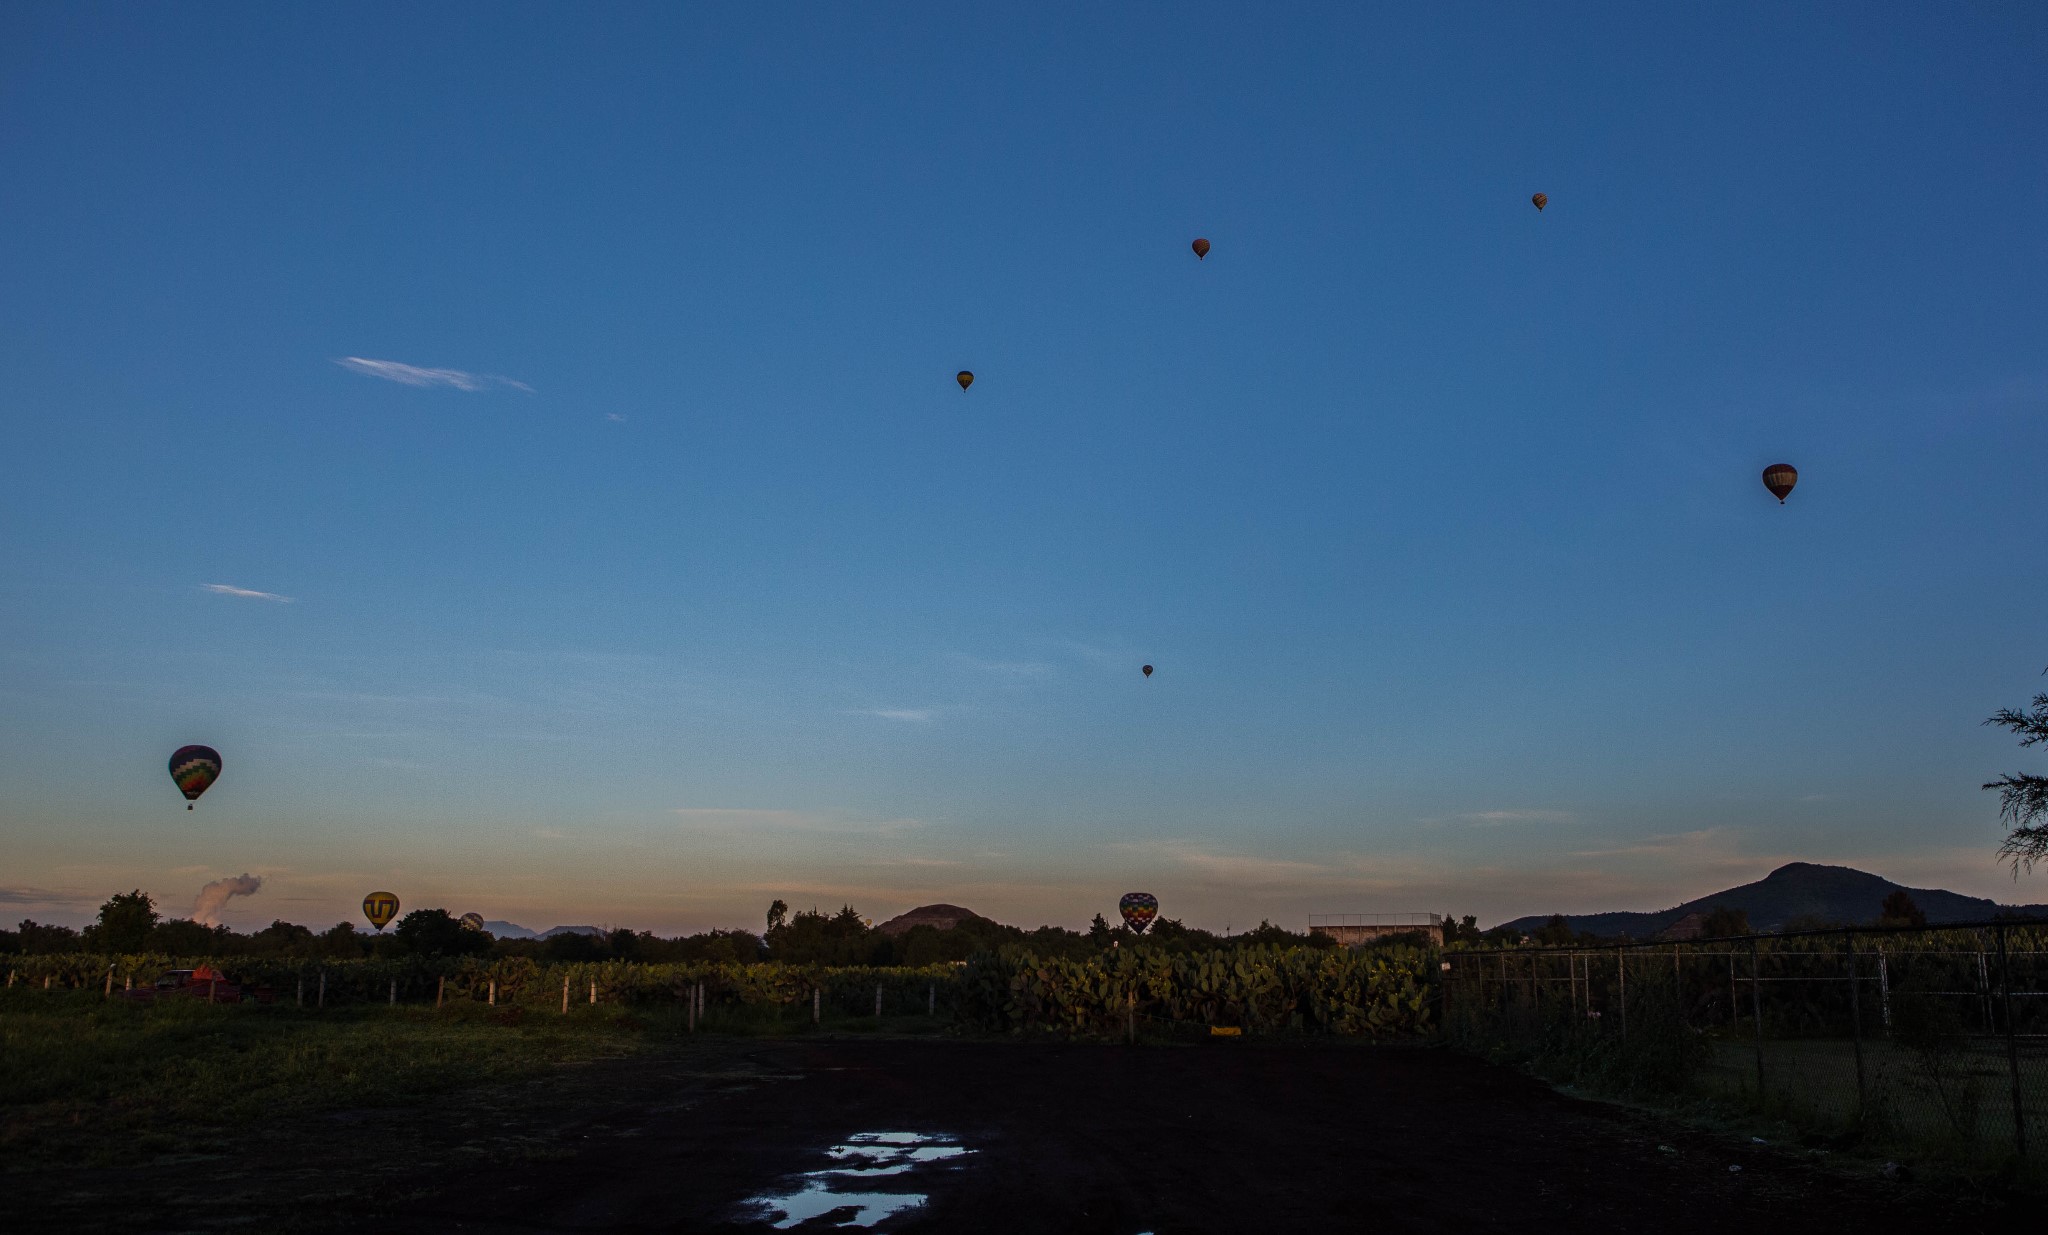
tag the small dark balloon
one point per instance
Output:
(1779, 479)
(965, 379)
(1148, 671)
(1541, 200)
(1201, 247)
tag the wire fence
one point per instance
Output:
(1934, 1039)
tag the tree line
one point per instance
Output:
(129, 923)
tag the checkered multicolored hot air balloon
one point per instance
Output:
(380, 908)
(195, 768)
(1138, 908)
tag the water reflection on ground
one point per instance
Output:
(835, 1192)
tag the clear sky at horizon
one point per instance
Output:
(691, 579)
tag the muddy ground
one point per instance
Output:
(753, 1135)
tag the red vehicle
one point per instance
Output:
(204, 983)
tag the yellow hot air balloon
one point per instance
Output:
(380, 908)
(965, 379)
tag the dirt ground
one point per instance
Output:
(754, 1135)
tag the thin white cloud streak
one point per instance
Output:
(414, 375)
(913, 715)
(747, 821)
(1520, 816)
(228, 589)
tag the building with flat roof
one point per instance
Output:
(1352, 929)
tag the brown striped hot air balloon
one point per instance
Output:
(1779, 479)
(1148, 671)
(1541, 200)
(965, 379)
(1201, 247)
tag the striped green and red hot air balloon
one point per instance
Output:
(1138, 908)
(195, 768)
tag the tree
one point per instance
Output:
(778, 915)
(1899, 910)
(1555, 933)
(1725, 923)
(2023, 799)
(126, 921)
(436, 932)
(36, 937)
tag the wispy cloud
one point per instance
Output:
(550, 834)
(913, 715)
(1520, 816)
(715, 818)
(615, 417)
(1013, 669)
(414, 375)
(224, 589)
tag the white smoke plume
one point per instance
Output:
(214, 897)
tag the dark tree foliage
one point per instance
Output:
(436, 932)
(125, 924)
(33, 937)
(2023, 798)
(1462, 930)
(1725, 923)
(282, 938)
(1899, 910)
(183, 937)
(1556, 932)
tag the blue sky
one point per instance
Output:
(656, 566)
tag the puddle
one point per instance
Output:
(833, 1192)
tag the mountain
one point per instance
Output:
(944, 917)
(512, 930)
(1795, 890)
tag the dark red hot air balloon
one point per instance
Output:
(1779, 479)
(1148, 671)
(1201, 247)
(1540, 201)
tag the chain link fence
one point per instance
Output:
(1931, 1039)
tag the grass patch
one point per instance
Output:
(101, 1082)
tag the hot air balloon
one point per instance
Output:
(965, 379)
(472, 921)
(1201, 247)
(1541, 200)
(1148, 671)
(195, 768)
(380, 908)
(1779, 479)
(1138, 908)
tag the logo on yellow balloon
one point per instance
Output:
(380, 908)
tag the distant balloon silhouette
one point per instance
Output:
(1138, 910)
(194, 768)
(380, 908)
(1541, 200)
(1148, 671)
(1779, 479)
(1201, 247)
(472, 921)
(965, 379)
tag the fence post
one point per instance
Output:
(1855, 1018)
(299, 1000)
(440, 991)
(1884, 988)
(878, 1001)
(393, 1001)
(700, 1001)
(494, 992)
(815, 992)
(1734, 1004)
(1756, 1008)
(1131, 1017)
(931, 1000)
(323, 990)
(2012, 1050)
(109, 992)
(593, 992)
(1621, 998)
(565, 995)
